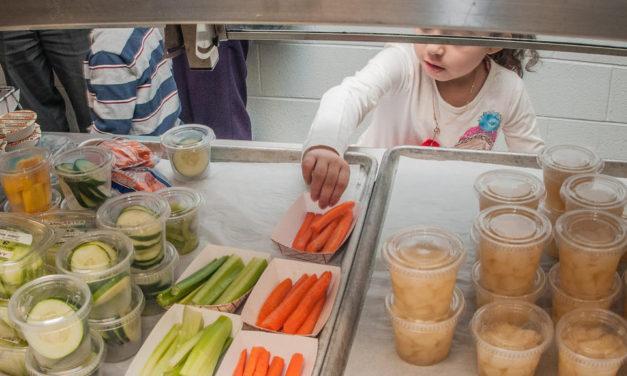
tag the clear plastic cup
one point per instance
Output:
(67, 224)
(155, 280)
(59, 340)
(23, 243)
(12, 359)
(90, 367)
(562, 161)
(591, 342)
(25, 176)
(85, 175)
(182, 226)
(552, 215)
(188, 148)
(596, 192)
(484, 296)
(55, 202)
(510, 337)
(122, 335)
(148, 235)
(510, 240)
(590, 244)
(508, 187)
(110, 285)
(423, 264)
(55, 144)
(425, 343)
(564, 303)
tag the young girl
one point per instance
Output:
(423, 94)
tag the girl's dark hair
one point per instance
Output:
(514, 59)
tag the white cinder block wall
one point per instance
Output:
(579, 98)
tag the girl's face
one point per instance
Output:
(449, 62)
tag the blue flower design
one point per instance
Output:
(490, 121)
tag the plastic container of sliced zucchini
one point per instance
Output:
(141, 216)
(85, 174)
(67, 224)
(156, 279)
(102, 259)
(181, 228)
(51, 312)
(55, 202)
(90, 367)
(23, 242)
(122, 335)
(188, 148)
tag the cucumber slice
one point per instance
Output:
(68, 168)
(142, 246)
(54, 344)
(111, 289)
(83, 165)
(191, 163)
(136, 217)
(132, 330)
(92, 256)
(149, 254)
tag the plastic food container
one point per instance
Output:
(510, 337)
(51, 313)
(122, 335)
(182, 226)
(590, 244)
(510, 242)
(188, 148)
(85, 175)
(508, 187)
(55, 202)
(484, 296)
(90, 367)
(423, 264)
(105, 265)
(562, 161)
(141, 216)
(25, 176)
(23, 242)
(153, 281)
(594, 191)
(67, 224)
(55, 144)
(12, 359)
(591, 342)
(564, 303)
(425, 343)
(552, 215)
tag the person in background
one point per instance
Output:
(31, 59)
(130, 85)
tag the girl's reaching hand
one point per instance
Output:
(327, 175)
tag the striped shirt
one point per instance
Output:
(130, 85)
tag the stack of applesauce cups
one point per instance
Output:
(425, 306)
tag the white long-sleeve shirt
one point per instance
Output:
(404, 98)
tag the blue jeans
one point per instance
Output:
(29, 59)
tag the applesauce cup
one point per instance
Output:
(510, 337)
(508, 187)
(552, 215)
(596, 192)
(591, 342)
(188, 148)
(424, 343)
(484, 296)
(562, 161)
(510, 242)
(25, 176)
(564, 303)
(590, 244)
(423, 264)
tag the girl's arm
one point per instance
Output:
(521, 130)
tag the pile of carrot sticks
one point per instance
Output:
(258, 364)
(325, 232)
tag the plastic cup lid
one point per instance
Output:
(509, 185)
(592, 230)
(513, 225)
(188, 136)
(570, 158)
(595, 191)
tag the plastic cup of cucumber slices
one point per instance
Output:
(51, 312)
(141, 216)
(102, 259)
(156, 279)
(23, 242)
(188, 148)
(85, 174)
(182, 227)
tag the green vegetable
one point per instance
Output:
(191, 162)
(55, 343)
(183, 351)
(204, 357)
(94, 255)
(244, 282)
(148, 241)
(219, 281)
(160, 350)
(182, 232)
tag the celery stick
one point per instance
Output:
(190, 296)
(192, 324)
(161, 349)
(226, 346)
(244, 282)
(184, 350)
(204, 357)
(186, 286)
(219, 281)
(163, 363)
(175, 371)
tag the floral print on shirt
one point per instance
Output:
(483, 136)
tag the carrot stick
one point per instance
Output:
(335, 241)
(261, 369)
(274, 299)
(295, 368)
(330, 216)
(316, 244)
(251, 364)
(241, 363)
(304, 233)
(277, 318)
(306, 305)
(276, 367)
(312, 319)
